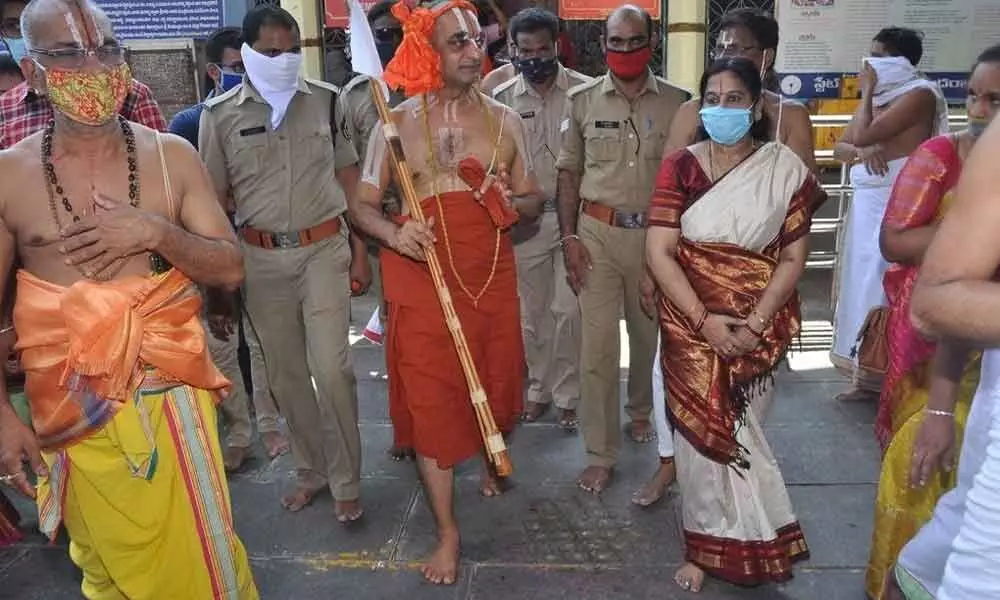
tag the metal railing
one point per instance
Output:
(841, 193)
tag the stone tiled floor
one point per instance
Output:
(544, 539)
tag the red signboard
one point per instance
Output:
(336, 12)
(598, 10)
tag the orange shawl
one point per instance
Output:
(88, 347)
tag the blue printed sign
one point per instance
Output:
(806, 86)
(163, 19)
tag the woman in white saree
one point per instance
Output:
(727, 245)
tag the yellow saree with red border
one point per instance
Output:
(920, 197)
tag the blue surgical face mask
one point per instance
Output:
(228, 80)
(726, 125)
(976, 127)
(16, 46)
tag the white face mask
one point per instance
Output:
(275, 77)
(272, 73)
(892, 72)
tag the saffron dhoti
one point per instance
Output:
(123, 401)
(428, 394)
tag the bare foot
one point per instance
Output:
(568, 420)
(891, 589)
(689, 577)
(491, 484)
(399, 453)
(534, 411)
(348, 511)
(653, 491)
(233, 458)
(857, 395)
(275, 443)
(441, 567)
(594, 479)
(300, 498)
(641, 432)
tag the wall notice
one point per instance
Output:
(163, 19)
(822, 40)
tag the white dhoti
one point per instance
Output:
(973, 569)
(861, 266)
(922, 561)
(664, 432)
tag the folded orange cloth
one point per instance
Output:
(89, 347)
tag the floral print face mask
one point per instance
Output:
(89, 97)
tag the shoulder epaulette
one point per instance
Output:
(504, 86)
(323, 84)
(217, 100)
(583, 87)
(355, 82)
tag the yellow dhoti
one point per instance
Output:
(170, 536)
(123, 399)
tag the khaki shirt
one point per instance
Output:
(541, 117)
(281, 180)
(358, 117)
(616, 145)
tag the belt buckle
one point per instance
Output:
(630, 220)
(285, 241)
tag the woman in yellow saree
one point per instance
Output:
(928, 388)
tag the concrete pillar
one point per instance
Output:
(686, 26)
(307, 13)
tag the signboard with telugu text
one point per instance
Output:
(163, 19)
(823, 40)
(598, 10)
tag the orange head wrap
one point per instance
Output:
(416, 66)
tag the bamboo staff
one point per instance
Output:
(493, 440)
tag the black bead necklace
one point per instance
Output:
(55, 189)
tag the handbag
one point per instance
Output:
(872, 346)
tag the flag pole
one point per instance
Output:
(496, 447)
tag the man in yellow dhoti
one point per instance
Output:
(122, 391)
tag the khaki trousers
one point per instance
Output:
(298, 300)
(235, 410)
(550, 318)
(618, 258)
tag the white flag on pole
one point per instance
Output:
(364, 55)
(373, 330)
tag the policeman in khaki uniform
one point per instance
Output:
(550, 312)
(274, 142)
(614, 130)
(358, 116)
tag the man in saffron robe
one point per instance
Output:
(121, 387)
(460, 145)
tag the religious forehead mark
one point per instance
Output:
(461, 19)
(92, 36)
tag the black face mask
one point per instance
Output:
(387, 40)
(536, 70)
(386, 50)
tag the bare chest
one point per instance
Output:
(56, 197)
(435, 146)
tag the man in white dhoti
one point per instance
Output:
(956, 556)
(899, 110)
